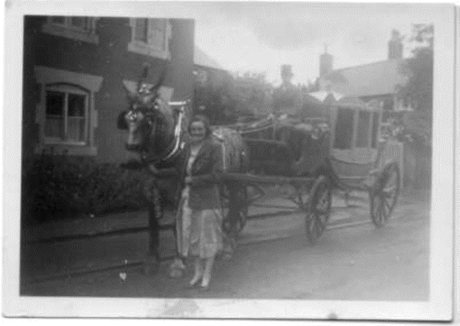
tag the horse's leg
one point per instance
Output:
(155, 211)
(177, 268)
(153, 256)
(233, 215)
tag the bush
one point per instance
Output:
(56, 185)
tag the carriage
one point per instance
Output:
(338, 146)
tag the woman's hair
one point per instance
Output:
(204, 120)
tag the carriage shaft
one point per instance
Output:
(267, 179)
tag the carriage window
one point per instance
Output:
(150, 37)
(375, 128)
(66, 115)
(363, 129)
(344, 129)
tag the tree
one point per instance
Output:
(312, 87)
(418, 91)
(237, 97)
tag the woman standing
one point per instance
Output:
(200, 222)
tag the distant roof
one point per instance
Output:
(202, 59)
(323, 95)
(376, 78)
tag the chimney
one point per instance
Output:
(286, 73)
(395, 47)
(325, 62)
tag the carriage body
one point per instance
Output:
(355, 138)
(339, 148)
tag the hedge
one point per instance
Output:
(56, 186)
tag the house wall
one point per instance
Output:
(387, 101)
(111, 60)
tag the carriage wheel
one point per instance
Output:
(318, 209)
(384, 195)
(242, 207)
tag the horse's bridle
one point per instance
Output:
(171, 151)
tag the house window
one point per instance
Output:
(141, 30)
(150, 37)
(362, 140)
(66, 112)
(76, 28)
(344, 129)
(66, 116)
(60, 20)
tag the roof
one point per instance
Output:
(323, 95)
(372, 79)
(202, 59)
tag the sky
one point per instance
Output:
(260, 37)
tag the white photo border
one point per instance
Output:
(440, 305)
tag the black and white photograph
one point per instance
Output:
(229, 160)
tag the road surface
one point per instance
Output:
(353, 263)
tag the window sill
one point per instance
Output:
(71, 34)
(69, 149)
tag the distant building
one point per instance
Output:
(75, 70)
(374, 81)
(379, 81)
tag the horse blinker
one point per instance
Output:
(121, 121)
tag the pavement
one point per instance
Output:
(75, 247)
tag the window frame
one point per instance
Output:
(68, 89)
(47, 76)
(148, 48)
(68, 30)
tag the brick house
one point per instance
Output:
(75, 70)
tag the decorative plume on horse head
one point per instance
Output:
(156, 130)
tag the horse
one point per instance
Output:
(157, 132)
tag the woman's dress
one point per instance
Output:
(199, 232)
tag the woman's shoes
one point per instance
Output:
(193, 283)
(204, 288)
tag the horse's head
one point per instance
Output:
(148, 119)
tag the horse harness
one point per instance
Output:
(172, 151)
